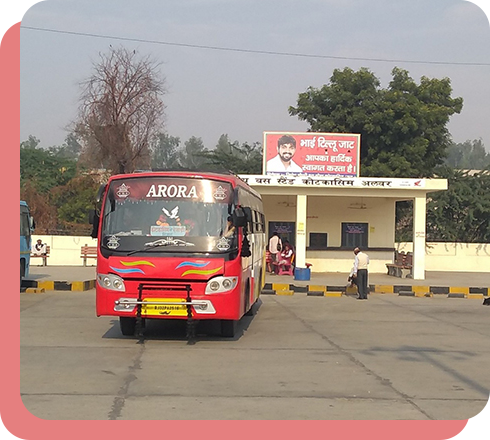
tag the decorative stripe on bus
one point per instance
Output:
(127, 270)
(137, 263)
(193, 264)
(202, 272)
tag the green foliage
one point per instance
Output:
(193, 156)
(404, 221)
(460, 214)
(74, 199)
(230, 156)
(166, 153)
(470, 155)
(57, 196)
(69, 150)
(403, 128)
(44, 169)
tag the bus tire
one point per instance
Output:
(127, 325)
(228, 328)
(251, 311)
(248, 307)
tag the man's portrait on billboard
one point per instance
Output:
(283, 161)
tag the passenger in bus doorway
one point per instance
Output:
(360, 272)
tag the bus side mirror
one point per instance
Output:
(239, 218)
(93, 219)
(100, 192)
(248, 213)
(92, 215)
(32, 224)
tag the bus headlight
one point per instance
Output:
(221, 284)
(214, 286)
(111, 282)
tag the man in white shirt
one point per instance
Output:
(39, 248)
(275, 247)
(283, 162)
(360, 272)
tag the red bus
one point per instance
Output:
(178, 245)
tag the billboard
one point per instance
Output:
(328, 154)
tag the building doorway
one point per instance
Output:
(286, 230)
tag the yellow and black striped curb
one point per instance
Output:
(416, 291)
(290, 289)
(71, 286)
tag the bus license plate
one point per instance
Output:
(150, 309)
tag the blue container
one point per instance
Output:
(302, 274)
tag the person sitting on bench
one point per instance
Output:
(39, 249)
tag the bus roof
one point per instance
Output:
(230, 178)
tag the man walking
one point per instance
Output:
(360, 272)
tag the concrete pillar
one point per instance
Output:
(419, 221)
(300, 231)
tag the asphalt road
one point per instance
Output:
(299, 357)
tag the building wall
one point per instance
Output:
(65, 250)
(454, 257)
(458, 257)
(326, 214)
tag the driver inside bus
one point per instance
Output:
(230, 227)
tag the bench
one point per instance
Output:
(88, 252)
(44, 257)
(402, 266)
(285, 268)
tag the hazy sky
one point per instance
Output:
(243, 94)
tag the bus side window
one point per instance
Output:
(248, 213)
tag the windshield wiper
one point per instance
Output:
(162, 242)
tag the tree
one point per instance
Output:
(224, 145)
(461, 213)
(470, 155)
(58, 196)
(74, 200)
(121, 111)
(230, 156)
(403, 128)
(70, 149)
(43, 211)
(166, 152)
(44, 169)
(193, 156)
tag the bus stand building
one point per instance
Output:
(328, 210)
(326, 217)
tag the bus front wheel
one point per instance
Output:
(228, 328)
(128, 325)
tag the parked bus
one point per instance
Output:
(178, 245)
(26, 227)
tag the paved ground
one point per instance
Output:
(469, 279)
(321, 358)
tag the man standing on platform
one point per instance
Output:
(360, 272)
(275, 248)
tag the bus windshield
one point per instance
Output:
(168, 214)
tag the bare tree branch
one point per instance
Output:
(121, 111)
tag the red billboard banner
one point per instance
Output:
(332, 154)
